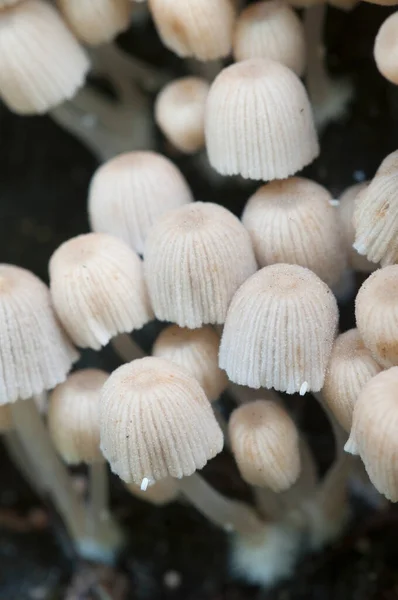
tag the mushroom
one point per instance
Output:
(96, 22)
(279, 330)
(292, 221)
(180, 113)
(270, 29)
(157, 422)
(373, 435)
(159, 493)
(258, 121)
(199, 28)
(98, 290)
(377, 316)
(41, 63)
(131, 192)
(196, 257)
(73, 421)
(376, 215)
(386, 48)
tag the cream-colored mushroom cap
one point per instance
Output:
(96, 21)
(279, 330)
(270, 29)
(156, 421)
(265, 444)
(73, 416)
(347, 202)
(374, 431)
(197, 351)
(180, 113)
(258, 121)
(195, 259)
(131, 192)
(41, 63)
(98, 289)
(376, 215)
(6, 423)
(292, 221)
(376, 312)
(350, 367)
(8, 3)
(199, 28)
(35, 354)
(162, 492)
(386, 48)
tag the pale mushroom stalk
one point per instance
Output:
(228, 514)
(340, 436)
(126, 348)
(22, 461)
(98, 493)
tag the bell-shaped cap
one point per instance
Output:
(258, 121)
(98, 289)
(156, 421)
(265, 444)
(279, 330)
(35, 354)
(41, 63)
(196, 257)
(196, 350)
(73, 416)
(131, 192)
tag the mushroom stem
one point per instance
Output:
(36, 442)
(99, 494)
(126, 348)
(228, 514)
(22, 461)
(340, 436)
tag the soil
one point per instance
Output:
(173, 552)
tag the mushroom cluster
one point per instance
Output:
(247, 307)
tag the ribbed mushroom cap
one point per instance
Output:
(96, 21)
(374, 431)
(73, 416)
(376, 312)
(98, 289)
(162, 492)
(258, 121)
(273, 30)
(350, 367)
(195, 259)
(376, 215)
(199, 28)
(35, 354)
(180, 113)
(279, 330)
(41, 63)
(6, 423)
(347, 202)
(131, 192)
(156, 421)
(293, 222)
(265, 444)
(197, 351)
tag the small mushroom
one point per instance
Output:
(386, 48)
(159, 493)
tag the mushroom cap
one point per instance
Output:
(347, 202)
(265, 444)
(292, 221)
(196, 257)
(258, 121)
(162, 492)
(279, 330)
(180, 113)
(73, 416)
(199, 28)
(196, 350)
(156, 421)
(8, 3)
(376, 313)
(96, 21)
(35, 354)
(273, 30)
(41, 63)
(98, 289)
(374, 431)
(350, 367)
(386, 48)
(131, 192)
(6, 423)
(376, 215)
